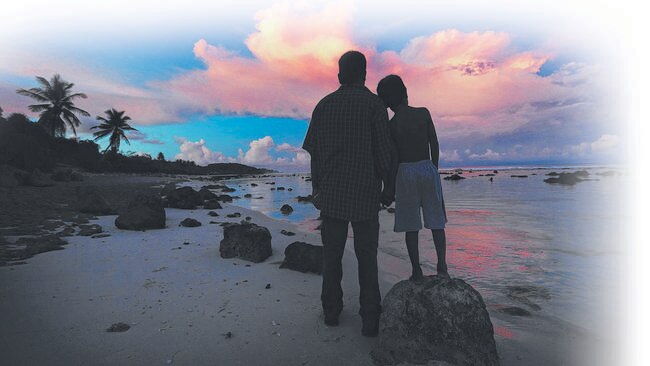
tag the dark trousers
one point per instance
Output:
(334, 233)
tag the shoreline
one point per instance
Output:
(181, 303)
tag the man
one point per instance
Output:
(351, 154)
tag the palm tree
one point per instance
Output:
(56, 105)
(114, 125)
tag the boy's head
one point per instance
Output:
(392, 91)
(352, 68)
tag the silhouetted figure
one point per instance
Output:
(417, 182)
(351, 151)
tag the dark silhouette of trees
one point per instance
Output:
(55, 105)
(160, 156)
(114, 125)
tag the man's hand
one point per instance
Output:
(315, 198)
(387, 199)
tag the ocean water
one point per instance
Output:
(552, 250)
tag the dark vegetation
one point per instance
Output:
(42, 144)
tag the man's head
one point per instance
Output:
(352, 68)
(392, 91)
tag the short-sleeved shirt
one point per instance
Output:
(351, 149)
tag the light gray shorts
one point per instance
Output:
(418, 187)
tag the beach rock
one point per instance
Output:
(144, 212)
(212, 205)
(62, 175)
(118, 327)
(167, 189)
(233, 215)
(280, 188)
(437, 319)
(553, 174)
(227, 189)
(286, 209)
(247, 241)
(519, 176)
(304, 198)
(303, 257)
(89, 230)
(287, 233)
(184, 197)
(289, 189)
(205, 195)
(253, 184)
(564, 179)
(390, 210)
(248, 195)
(189, 222)
(213, 214)
(38, 179)
(90, 201)
(453, 177)
(225, 198)
(515, 311)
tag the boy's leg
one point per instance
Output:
(440, 241)
(414, 254)
(334, 233)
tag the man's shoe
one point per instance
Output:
(370, 327)
(332, 318)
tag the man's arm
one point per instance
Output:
(384, 151)
(309, 145)
(434, 147)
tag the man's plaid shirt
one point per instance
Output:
(351, 150)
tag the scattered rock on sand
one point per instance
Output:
(144, 212)
(286, 209)
(287, 233)
(515, 311)
(190, 222)
(304, 198)
(519, 176)
(453, 177)
(247, 241)
(37, 179)
(390, 210)
(205, 194)
(303, 257)
(65, 175)
(253, 184)
(565, 179)
(90, 201)
(435, 319)
(89, 230)
(167, 189)
(118, 327)
(12, 177)
(233, 215)
(212, 205)
(225, 198)
(213, 214)
(184, 197)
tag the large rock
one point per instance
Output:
(437, 319)
(168, 188)
(90, 201)
(206, 195)
(454, 177)
(144, 212)
(66, 175)
(12, 177)
(565, 179)
(247, 241)
(212, 205)
(286, 209)
(184, 197)
(303, 257)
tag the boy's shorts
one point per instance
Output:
(418, 187)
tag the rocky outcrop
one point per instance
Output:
(212, 205)
(436, 319)
(37, 179)
(184, 197)
(90, 201)
(453, 177)
(66, 175)
(144, 212)
(286, 209)
(247, 241)
(205, 195)
(303, 257)
(189, 222)
(565, 179)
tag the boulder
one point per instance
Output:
(303, 257)
(144, 212)
(212, 204)
(225, 198)
(213, 214)
(564, 179)
(286, 209)
(167, 189)
(304, 198)
(90, 201)
(206, 195)
(189, 222)
(247, 241)
(184, 197)
(436, 319)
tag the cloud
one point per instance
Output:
(258, 154)
(142, 137)
(605, 143)
(487, 155)
(199, 153)
(450, 156)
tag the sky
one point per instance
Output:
(506, 83)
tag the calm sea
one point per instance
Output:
(552, 250)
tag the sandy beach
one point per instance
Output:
(186, 305)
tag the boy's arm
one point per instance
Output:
(434, 147)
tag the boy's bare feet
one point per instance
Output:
(417, 274)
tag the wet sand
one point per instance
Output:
(186, 305)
